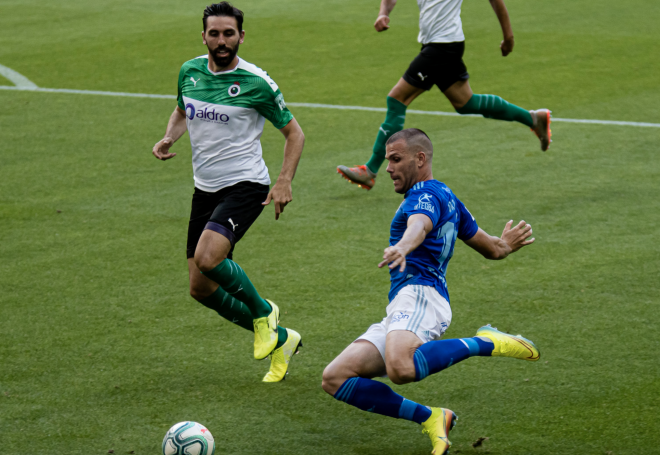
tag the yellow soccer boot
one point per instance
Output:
(437, 427)
(280, 358)
(265, 332)
(507, 345)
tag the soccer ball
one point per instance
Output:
(188, 438)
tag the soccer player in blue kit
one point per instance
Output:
(406, 344)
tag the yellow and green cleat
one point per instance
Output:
(280, 358)
(437, 427)
(507, 345)
(265, 332)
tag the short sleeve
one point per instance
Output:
(179, 95)
(273, 107)
(467, 226)
(419, 201)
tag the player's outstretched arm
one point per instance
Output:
(503, 16)
(512, 240)
(280, 193)
(419, 225)
(175, 129)
(383, 20)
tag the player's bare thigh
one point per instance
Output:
(404, 92)
(211, 250)
(360, 358)
(400, 347)
(200, 286)
(458, 94)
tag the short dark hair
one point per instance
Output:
(416, 141)
(224, 9)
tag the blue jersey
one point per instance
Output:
(427, 264)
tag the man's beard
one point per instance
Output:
(224, 61)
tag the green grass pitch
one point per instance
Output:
(101, 347)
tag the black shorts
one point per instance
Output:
(230, 212)
(438, 64)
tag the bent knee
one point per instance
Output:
(199, 293)
(207, 262)
(400, 374)
(331, 381)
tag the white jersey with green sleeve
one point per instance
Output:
(225, 115)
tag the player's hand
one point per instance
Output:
(507, 46)
(518, 236)
(280, 194)
(382, 23)
(162, 149)
(394, 256)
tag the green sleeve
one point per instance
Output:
(273, 107)
(179, 95)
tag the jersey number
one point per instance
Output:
(448, 231)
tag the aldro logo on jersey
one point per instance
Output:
(424, 203)
(206, 115)
(234, 90)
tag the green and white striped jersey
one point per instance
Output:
(225, 115)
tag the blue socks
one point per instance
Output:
(374, 396)
(429, 358)
(435, 356)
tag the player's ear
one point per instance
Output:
(203, 37)
(421, 159)
(240, 41)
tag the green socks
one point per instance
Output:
(492, 106)
(231, 277)
(237, 312)
(236, 299)
(281, 336)
(229, 308)
(394, 120)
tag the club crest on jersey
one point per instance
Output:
(424, 203)
(235, 89)
(280, 101)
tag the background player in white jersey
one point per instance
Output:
(440, 63)
(223, 102)
(406, 344)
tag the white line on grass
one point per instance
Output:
(87, 92)
(16, 78)
(34, 88)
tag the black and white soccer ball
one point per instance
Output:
(188, 438)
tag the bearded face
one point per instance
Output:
(222, 39)
(224, 54)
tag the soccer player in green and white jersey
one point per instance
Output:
(223, 102)
(440, 63)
